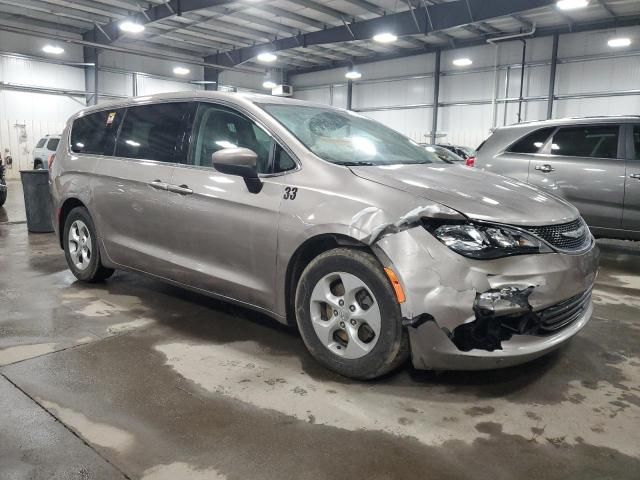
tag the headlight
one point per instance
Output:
(487, 241)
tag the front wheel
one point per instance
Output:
(81, 247)
(3, 195)
(348, 314)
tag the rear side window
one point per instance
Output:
(154, 132)
(587, 141)
(533, 142)
(41, 143)
(636, 142)
(96, 133)
(53, 144)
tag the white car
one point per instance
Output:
(45, 147)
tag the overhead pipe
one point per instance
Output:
(495, 42)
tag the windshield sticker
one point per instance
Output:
(110, 118)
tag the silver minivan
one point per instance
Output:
(592, 162)
(319, 217)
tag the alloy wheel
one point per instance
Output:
(345, 315)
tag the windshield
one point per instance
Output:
(346, 138)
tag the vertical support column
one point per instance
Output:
(552, 76)
(91, 75)
(436, 96)
(522, 68)
(134, 84)
(349, 94)
(211, 75)
(496, 87)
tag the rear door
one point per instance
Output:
(131, 187)
(585, 165)
(631, 215)
(515, 161)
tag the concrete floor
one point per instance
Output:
(137, 379)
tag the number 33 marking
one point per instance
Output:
(290, 193)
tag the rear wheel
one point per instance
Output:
(348, 314)
(81, 247)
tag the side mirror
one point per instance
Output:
(241, 162)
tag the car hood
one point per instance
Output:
(478, 195)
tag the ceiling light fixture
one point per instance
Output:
(353, 75)
(619, 42)
(269, 84)
(53, 49)
(462, 62)
(571, 4)
(181, 71)
(386, 37)
(131, 27)
(267, 57)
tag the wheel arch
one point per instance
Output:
(304, 254)
(68, 205)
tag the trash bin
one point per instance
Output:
(37, 200)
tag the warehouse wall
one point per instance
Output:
(399, 92)
(28, 110)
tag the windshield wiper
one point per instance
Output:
(357, 164)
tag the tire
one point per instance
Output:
(3, 197)
(86, 265)
(350, 342)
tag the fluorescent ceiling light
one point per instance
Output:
(353, 75)
(181, 71)
(268, 84)
(571, 4)
(619, 42)
(131, 27)
(267, 57)
(385, 37)
(462, 62)
(53, 49)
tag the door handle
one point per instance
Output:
(181, 189)
(635, 175)
(159, 185)
(546, 168)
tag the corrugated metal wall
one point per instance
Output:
(399, 92)
(25, 116)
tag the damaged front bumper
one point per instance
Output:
(466, 314)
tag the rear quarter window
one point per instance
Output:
(533, 142)
(41, 143)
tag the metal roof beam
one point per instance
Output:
(633, 20)
(606, 7)
(368, 6)
(441, 16)
(154, 14)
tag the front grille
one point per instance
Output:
(563, 236)
(562, 314)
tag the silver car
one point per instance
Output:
(592, 162)
(375, 248)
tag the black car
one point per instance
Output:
(464, 152)
(444, 154)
